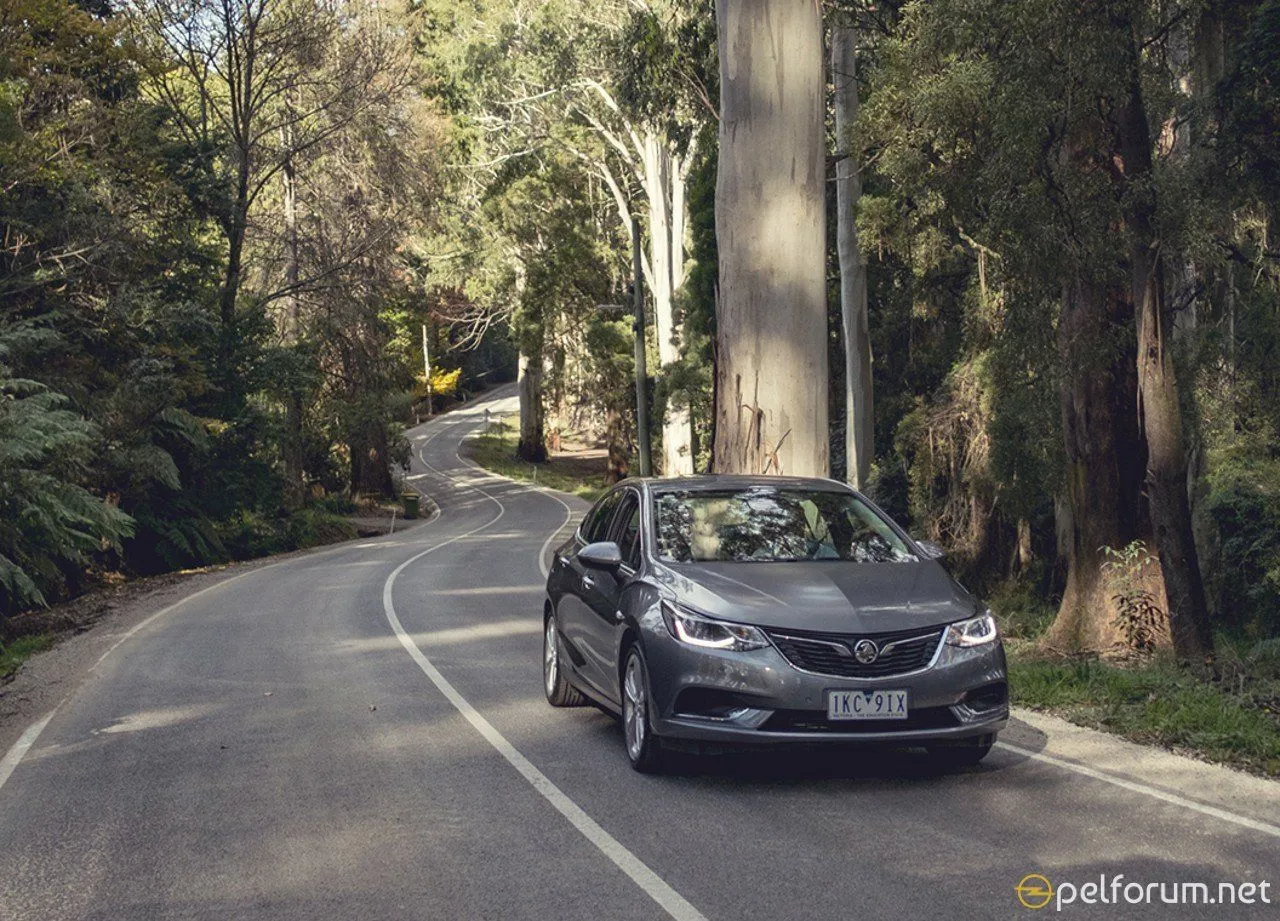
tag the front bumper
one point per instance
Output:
(759, 698)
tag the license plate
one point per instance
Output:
(866, 705)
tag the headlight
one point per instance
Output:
(696, 630)
(977, 631)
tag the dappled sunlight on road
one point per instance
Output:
(428, 638)
(158, 718)
(489, 590)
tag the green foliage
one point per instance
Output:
(248, 534)
(137, 429)
(14, 653)
(1243, 506)
(1155, 703)
(1021, 609)
(314, 527)
(50, 528)
(689, 381)
(495, 450)
(1248, 101)
(1140, 616)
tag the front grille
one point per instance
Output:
(832, 653)
(816, 721)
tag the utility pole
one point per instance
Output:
(642, 371)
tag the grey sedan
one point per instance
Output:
(721, 611)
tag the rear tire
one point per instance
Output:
(954, 757)
(560, 693)
(644, 749)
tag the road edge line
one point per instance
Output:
(19, 748)
(1135, 787)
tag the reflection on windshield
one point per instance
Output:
(772, 525)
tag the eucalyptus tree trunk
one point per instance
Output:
(664, 187)
(1104, 458)
(1159, 406)
(292, 442)
(771, 336)
(859, 422)
(532, 446)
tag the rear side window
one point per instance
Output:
(595, 526)
(627, 531)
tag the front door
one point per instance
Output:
(602, 627)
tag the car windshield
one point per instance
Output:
(772, 525)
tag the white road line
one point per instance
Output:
(543, 567)
(639, 872)
(25, 741)
(1135, 787)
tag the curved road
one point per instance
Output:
(360, 733)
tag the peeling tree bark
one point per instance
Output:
(860, 424)
(1160, 410)
(532, 446)
(1103, 453)
(664, 182)
(771, 337)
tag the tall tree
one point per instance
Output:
(1161, 412)
(859, 421)
(249, 77)
(771, 337)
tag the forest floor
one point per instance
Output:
(1232, 718)
(578, 467)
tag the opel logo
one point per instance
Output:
(866, 652)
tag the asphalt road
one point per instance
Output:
(360, 733)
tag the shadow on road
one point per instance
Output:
(798, 764)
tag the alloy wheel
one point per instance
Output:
(550, 657)
(635, 708)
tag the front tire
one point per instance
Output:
(560, 693)
(644, 749)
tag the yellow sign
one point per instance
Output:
(1034, 891)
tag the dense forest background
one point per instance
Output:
(1039, 319)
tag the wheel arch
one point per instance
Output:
(630, 637)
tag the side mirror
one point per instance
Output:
(931, 550)
(603, 554)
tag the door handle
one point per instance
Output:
(588, 582)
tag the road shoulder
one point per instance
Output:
(97, 621)
(1214, 785)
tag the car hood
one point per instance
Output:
(833, 597)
